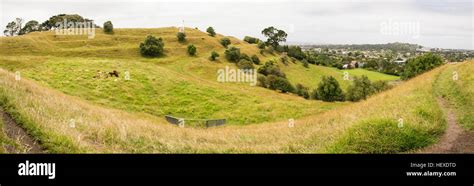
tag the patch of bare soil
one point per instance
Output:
(19, 135)
(455, 139)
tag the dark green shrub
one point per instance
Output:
(108, 27)
(225, 42)
(192, 50)
(245, 64)
(232, 54)
(296, 52)
(279, 83)
(262, 81)
(269, 68)
(251, 40)
(420, 64)
(328, 90)
(361, 88)
(245, 56)
(181, 36)
(214, 55)
(255, 59)
(302, 91)
(152, 47)
(211, 31)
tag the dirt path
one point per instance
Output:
(455, 139)
(19, 135)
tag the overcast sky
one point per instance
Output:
(432, 23)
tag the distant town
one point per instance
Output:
(387, 58)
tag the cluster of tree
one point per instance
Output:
(13, 28)
(361, 88)
(16, 27)
(271, 77)
(456, 56)
(73, 19)
(383, 65)
(243, 61)
(274, 37)
(323, 59)
(420, 64)
(328, 58)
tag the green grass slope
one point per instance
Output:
(175, 84)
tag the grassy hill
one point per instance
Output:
(114, 115)
(175, 84)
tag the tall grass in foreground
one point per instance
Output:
(46, 115)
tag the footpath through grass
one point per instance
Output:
(456, 84)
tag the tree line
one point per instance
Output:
(16, 27)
